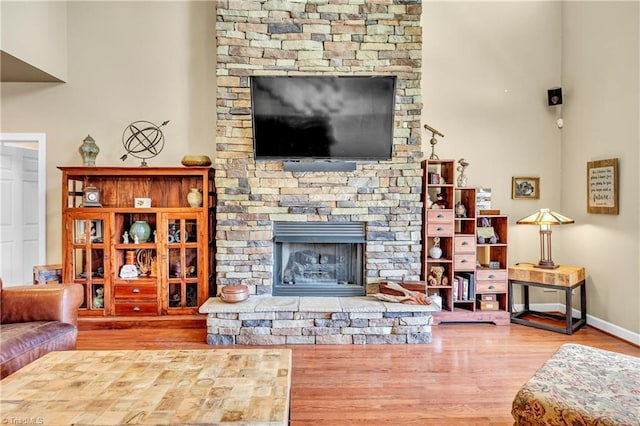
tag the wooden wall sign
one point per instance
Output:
(602, 186)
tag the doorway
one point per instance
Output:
(23, 208)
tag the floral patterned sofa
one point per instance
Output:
(581, 385)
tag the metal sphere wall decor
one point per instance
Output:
(143, 140)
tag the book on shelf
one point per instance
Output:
(461, 287)
(454, 286)
(464, 286)
(465, 289)
(469, 278)
(483, 198)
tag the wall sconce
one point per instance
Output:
(545, 218)
(433, 141)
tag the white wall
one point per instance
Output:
(128, 61)
(600, 76)
(486, 70)
(487, 67)
(36, 33)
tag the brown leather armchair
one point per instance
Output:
(35, 320)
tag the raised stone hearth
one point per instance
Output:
(290, 320)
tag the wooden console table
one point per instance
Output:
(563, 278)
(211, 386)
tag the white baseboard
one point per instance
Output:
(595, 322)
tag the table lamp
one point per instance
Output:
(545, 218)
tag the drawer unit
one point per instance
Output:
(438, 215)
(464, 262)
(492, 274)
(464, 244)
(133, 308)
(476, 268)
(485, 286)
(489, 306)
(135, 292)
(439, 229)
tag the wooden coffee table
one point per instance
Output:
(211, 386)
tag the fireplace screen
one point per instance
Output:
(320, 266)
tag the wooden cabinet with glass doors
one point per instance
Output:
(143, 254)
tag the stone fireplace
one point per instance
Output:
(318, 259)
(350, 37)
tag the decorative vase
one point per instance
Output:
(435, 251)
(89, 151)
(140, 229)
(194, 197)
(234, 293)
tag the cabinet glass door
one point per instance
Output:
(183, 262)
(88, 264)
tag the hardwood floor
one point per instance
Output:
(468, 375)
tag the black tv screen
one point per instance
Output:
(323, 117)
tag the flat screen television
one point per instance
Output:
(323, 117)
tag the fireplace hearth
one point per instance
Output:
(318, 259)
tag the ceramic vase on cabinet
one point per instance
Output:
(89, 150)
(194, 197)
(140, 229)
(435, 251)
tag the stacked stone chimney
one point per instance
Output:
(316, 37)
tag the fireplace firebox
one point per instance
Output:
(319, 259)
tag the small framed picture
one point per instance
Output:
(525, 188)
(142, 203)
(602, 187)
(95, 232)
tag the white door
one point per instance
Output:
(22, 227)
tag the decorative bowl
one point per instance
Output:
(196, 160)
(234, 293)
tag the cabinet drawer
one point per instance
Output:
(131, 308)
(464, 262)
(491, 286)
(464, 244)
(132, 291)
(439, 229)
(438, 215)
(489, 306)
(491, 274)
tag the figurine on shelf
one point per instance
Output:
(461, 210)
(437, 277)
(435, 251)
(155, 236)
(428, 203)
(125, 237)
(98, 299)
(462, 178)
(486, 232)
(441, 201)
(136, 240)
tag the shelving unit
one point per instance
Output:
(476, 273)
(128, 282)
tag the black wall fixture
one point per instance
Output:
(554, 96)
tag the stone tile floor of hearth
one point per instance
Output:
(268, 303)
